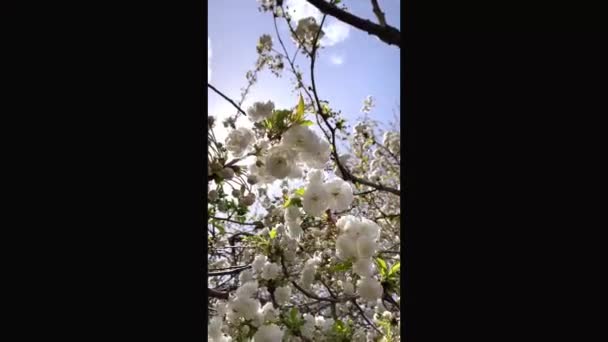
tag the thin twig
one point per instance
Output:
(226, 98)
(367, 319)
(234, 271)
(379, 14)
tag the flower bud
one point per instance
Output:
(226, 173)
(247, 200)
(216, 167)
(252, 179)
(212, 195)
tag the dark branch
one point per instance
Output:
(367, 319)
(387, 34)
(379, 14)
(217, 294)
(233, 221)
(346, 175)
(234, 271)
(227, 99)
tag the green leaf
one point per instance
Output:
(293, 201)
(396, 268)
(300, 192)
(342, 267)
(273, 233)
(306, 123)
(382, 266)
(219, 227)
(300, 110)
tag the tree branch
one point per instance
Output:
(234, 271)
(367, 319)
(217, 294)
(233, 221)
(387, 34)
(226, 98)
(379, 14)
(346, 175)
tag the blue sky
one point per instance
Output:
(351, 66)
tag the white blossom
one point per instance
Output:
(282, 294)
(315, 200)
(258, 263)
(346, 247)
(245, 276)
(265, 43)
(247, 290)
(341, 194)
(318, 156)
(268, 333)
(279, 161)
(260, 111)
(363, 267)
(300, 138)
(292, 213)
(369, 289)
(268, 312)
(349, 288)
(239, 140)
(270, 271)
(307, 30)
(366, 247)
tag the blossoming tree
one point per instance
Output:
(315, 258)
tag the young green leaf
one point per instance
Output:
(396, 268)
(300, 110)
(273, 233)
(293, 201)
(306, 123)
(382, 266)
(342, 267)
(300, 192)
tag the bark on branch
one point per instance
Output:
(387, 34)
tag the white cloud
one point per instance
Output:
(335, 30)
(209, 53)
(299, 9)
(336, 59)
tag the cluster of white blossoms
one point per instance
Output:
(320, 196)
(289, 245)
(368, 104)
(307, 30)
(265, 43)
(358, 241)
(268, 333)
(362, 129)
(214, 331)
(307, 276)
(299, 147)
(316, 328)
(244, 307)
(282, 294)
(293, 221)
(260, 111)
(239, 140)
(265, 269)
(221, 171)
(311, 150)
(392, 140)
